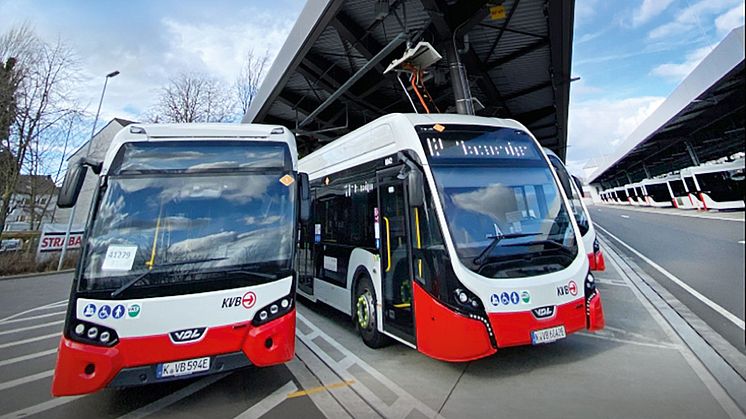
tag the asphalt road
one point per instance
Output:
(705, 251)
(636, 367)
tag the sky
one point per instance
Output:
(630, 55)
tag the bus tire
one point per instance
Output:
(364, 313)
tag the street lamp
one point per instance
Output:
(87, 152)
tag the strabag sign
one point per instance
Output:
(53, 237)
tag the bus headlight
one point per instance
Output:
(273, 310)
(93, 334)
(590, 286)
(596, 245)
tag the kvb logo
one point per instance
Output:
(247, 301)
(570, 289)
(188, 335)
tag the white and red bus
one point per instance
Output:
(187, 266)
(717, 185)
(580, 212)
(447, 233)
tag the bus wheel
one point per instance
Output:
(364, 310)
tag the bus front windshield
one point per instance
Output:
(189, 227)
(503, 208)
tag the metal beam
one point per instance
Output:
(517, 54)
(388, 49)
(528, 90)
(357, 37)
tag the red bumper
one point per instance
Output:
(446, 335)
(597, 261)
(83, 368)
(513, 329)
(595, 313)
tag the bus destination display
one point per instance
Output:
(501, 143)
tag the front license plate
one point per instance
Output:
(547, 335)
(186, 367)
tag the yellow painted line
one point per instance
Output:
(318, 389)
(403, 305)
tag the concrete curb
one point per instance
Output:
(21, 276)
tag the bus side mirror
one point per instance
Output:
(72, 184)
(416, 187)
(304, 187)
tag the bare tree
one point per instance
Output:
(43, 77)
(249, 78)
(193, 97)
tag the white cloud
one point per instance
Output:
(696, 16)
(648, 10)
(584, 11)
(597, 127)
(731, 19)
(678, 71)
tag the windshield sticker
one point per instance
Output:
(439, 128)
(525, 297)
(119, 258)
(287, 180)
(118, 312)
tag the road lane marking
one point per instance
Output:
(29, 340)
(44, 307)
(41, 316)
(41, 407)
(696, 294)
(317, 389)
(624, 216)
(268, 403)
(324, 401)
(36, 326)
(172, 398)
(27, 379)
(405, 403)
(706, 217)
(27, 357)
(741, 242)
(626, 341)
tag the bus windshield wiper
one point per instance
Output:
(496, 240)
(145, 274)
(554, 243)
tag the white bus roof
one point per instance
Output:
(383, 137)
(714, 167)
(199, 132)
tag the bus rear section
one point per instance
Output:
(187, 264)
(448, 233)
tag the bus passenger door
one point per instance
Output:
(397, 302)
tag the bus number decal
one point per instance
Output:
(119, 258)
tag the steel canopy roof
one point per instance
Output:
(704, 115)
(518, 64)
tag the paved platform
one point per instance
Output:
(637, 367)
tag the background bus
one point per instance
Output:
(580, 212)
(718, 185)
(447, 233)
(188, 259)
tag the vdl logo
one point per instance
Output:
(188, 335)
